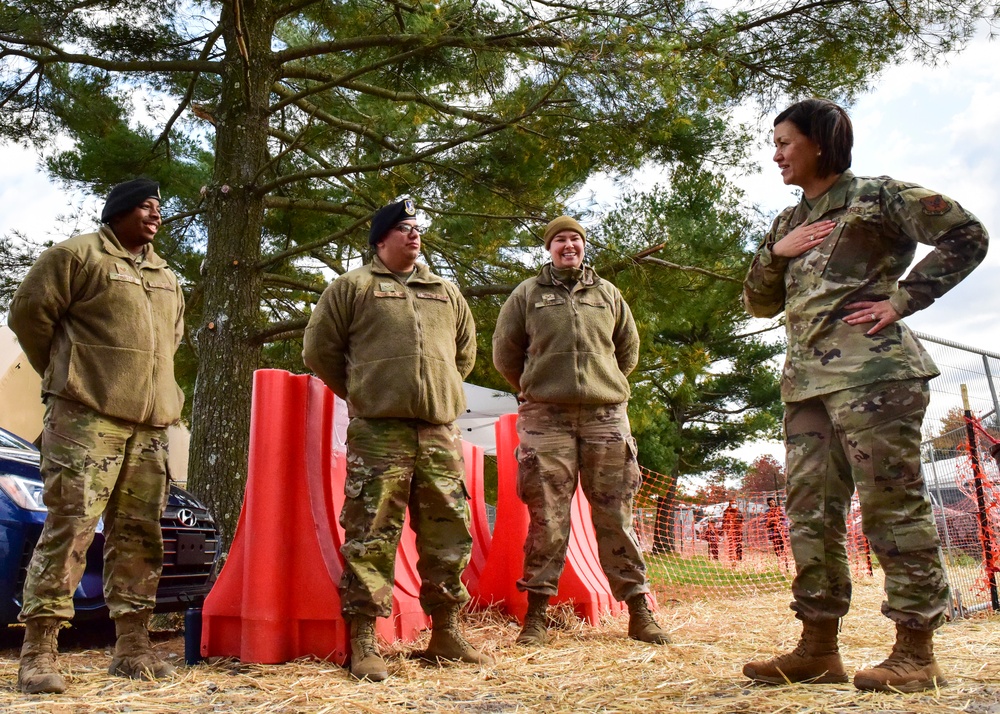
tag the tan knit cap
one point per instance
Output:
(563, 223)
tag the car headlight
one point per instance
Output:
(25, 492)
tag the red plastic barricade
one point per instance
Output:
(276, 598)
(583, 582)
(479, 524)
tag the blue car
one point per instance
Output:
(190, 541)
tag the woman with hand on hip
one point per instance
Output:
(855, 389)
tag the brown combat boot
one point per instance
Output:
(366, 662)
(910, 668)
(641, 624)
(134, 656)
(37, 673)
(447, 641)
(816, 659)
(534, 633)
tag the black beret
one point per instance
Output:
(388, 216)
(126, 196)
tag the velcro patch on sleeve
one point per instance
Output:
(935, 205)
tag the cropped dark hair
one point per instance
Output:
(828, 125)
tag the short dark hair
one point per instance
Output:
(827, 124)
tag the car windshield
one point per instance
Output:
(9, 441)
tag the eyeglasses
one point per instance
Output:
(408, 228)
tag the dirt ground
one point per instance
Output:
(585, 669)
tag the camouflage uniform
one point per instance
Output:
(567, 342)
(397, 351)
(558, 442)
(392, 464)
(854, 402)
(101, 326)
(96, 466)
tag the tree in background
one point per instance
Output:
(766, 474)
(704, 384)
(277, 128)
(952, 438)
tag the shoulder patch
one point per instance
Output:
(935, 205)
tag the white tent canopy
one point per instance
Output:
(483, 407)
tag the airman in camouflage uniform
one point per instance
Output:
(855, 389)
(566, 340)
(99, 317)
(395, 341)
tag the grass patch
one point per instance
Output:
(673, 569)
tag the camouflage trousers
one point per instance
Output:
(866, 437)
(393, 464)
(559, 444)
(94, 466)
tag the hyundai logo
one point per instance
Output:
(187, 518)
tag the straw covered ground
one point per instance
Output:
(584, 670)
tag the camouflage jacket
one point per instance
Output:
(393, 349)
(566, 346)
(880, 221)
(102, 330)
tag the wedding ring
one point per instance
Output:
(874, 319)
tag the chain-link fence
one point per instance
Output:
(963, 483)
(741, 547)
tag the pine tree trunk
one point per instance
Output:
(227, 354)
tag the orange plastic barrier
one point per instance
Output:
(479, 524)
(583, 582)
(276, 598)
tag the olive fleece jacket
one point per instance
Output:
(101, 330)
(566, 346)
(393, 349)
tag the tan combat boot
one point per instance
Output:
(816, 659)
(366, 662)
(37, 673)
(910, 668)
(447, 641)
(641, 624)
(134, 656)
(534, 632)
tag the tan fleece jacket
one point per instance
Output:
(566, 346)
(102, 331)
(393, 349)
